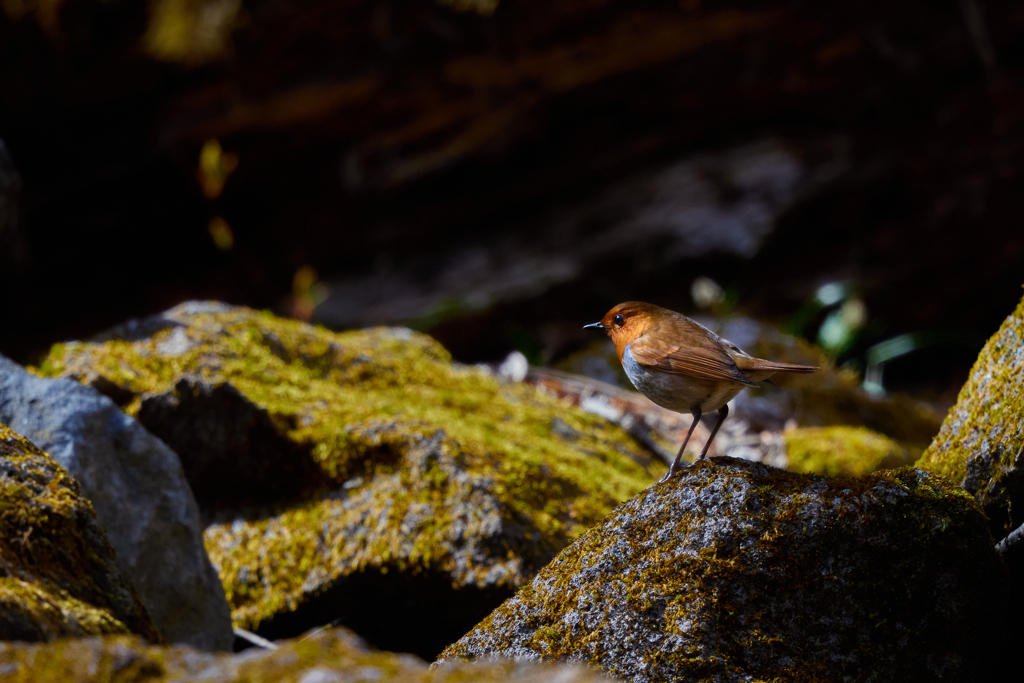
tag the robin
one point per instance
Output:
(683, 366)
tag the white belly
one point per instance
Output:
(680, 393)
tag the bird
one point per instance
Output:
(682, 365)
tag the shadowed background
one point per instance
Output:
(497, 174)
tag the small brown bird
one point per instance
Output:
(681, 365)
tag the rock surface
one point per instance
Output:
(737, 571)
(378, 477)
(58, 574)
(331, 656)
(981, 443)
(139, 492)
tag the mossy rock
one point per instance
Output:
(837, 450)
(58, 573)
(738, 571)
(348, 473)
(330, 656)
(981, 443)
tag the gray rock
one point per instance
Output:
(140, 495)
(736, 571)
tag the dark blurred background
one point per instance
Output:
(498, 173)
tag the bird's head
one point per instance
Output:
(626, 322)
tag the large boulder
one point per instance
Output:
(329, 656)
(58, 573)
(738, 571)
(140, 495)
(981, 443)
(353, 477)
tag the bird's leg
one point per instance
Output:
(675, 463)
(723, 413)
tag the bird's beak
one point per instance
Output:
(595, 326)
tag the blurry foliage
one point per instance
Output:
(215, 166)
(709, 296)
(221, 234)
(190, 31)
(307, 293)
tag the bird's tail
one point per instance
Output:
(759, 365)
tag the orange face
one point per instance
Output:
(626, 322)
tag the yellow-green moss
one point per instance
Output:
(334, 654)
(989, 413)
(59, 572)
(53, 611)
(981, 443)
(357, 401)
(842, 450)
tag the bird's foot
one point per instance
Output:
(671, 472)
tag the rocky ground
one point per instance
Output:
(363, 480)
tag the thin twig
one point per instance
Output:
(256, 640)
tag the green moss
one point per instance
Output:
(989, 412)
(332, 654)
(981, 443)
(360, 402)
(59, 572)
(842, 450)
(53, 612)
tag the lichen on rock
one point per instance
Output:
(981, 443)
(737, 571)
(341, 458)
(58, 573)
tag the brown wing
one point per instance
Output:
(697, 356)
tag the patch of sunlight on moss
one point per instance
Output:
(843, 450)
(989, 410)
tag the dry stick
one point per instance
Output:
(251, 637)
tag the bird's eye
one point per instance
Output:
(618, 321)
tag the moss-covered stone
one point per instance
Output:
(738, 571)
(330, 656)
(58, 573)
(372, 454)
(981, 443)
(843, 450)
